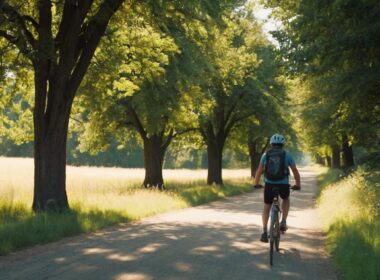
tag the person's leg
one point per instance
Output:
(268, 199)
(285, 208)
(265, 216)
(285, 205)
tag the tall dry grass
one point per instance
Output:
(98, 197)
(350, 215)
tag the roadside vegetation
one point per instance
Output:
(331, 54)
(100, 197)
(350, 213)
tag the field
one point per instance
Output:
(98, 197)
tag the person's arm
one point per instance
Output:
(296, 175)
(259, 171)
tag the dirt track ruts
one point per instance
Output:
(214, 241)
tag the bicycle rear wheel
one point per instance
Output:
(277, 236)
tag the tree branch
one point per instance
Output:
(232, 108)
(77, 120)
(136, 122)
(31, 20)
(68, 38)
(265, 146)
(168, 139)
(235, 120)
(185, 131)
(10, 38)
(203, 133)
(91, 37)
(15, 17)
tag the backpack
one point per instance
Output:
(275, 165)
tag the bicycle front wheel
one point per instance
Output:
(272, 234)
(271, 252)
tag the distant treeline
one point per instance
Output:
(129, 157)
(132, 156)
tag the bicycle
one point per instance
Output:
(274, 225)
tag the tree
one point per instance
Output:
(232, 87)
(272, 114)
(272, 110)
(59, 40)
(131, 97)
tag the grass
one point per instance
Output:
(350, 215)
(327, 177)
(99, 197)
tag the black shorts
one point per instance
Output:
(269, 195)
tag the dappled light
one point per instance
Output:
(99, 202)
(217, 241)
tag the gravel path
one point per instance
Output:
(214, 241)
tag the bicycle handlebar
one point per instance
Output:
(295, 188)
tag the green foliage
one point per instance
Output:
(273, 111)
(16, 99)
(333, 49)
(196, 69)
(147, 88)
(242, 83)
(349, 211)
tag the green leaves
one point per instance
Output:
(334, 47)
(16, 99)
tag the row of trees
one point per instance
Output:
(331, 50)
(183, 73)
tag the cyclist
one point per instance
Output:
(275, 164)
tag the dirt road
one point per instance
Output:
(215, 241)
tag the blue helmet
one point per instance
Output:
(277, 139)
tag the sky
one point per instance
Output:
(269, 24)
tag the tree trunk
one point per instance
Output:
(348, 155)
(335, 157)
(254, 156)
(51, 119)
(154, 153)
(328, 161)
(50, 163)
(215, 156)
(256, 148)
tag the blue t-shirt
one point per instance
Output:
(289, 161)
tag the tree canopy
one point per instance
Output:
(334, 47)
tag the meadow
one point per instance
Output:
(98, 197)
